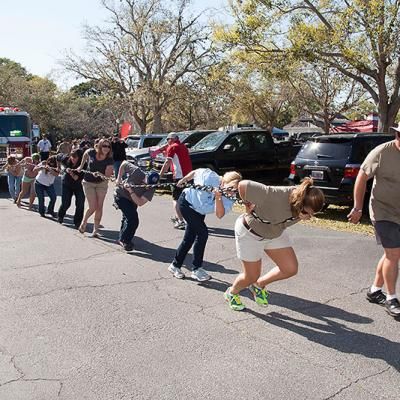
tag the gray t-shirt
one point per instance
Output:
(271, 204)
(95, 165)
(383, 163)
(134, 176)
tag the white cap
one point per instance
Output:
(396, 128)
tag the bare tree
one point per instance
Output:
(143, 54)
(324, 92)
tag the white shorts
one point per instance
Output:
(250, 247)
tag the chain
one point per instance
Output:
(97, 174)
(228, 193)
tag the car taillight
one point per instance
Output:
(293, 168)
(351, 171)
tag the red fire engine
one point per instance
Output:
(15, 134)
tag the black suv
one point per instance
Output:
(245, 149)
(333, 161)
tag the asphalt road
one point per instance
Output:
(81, 319)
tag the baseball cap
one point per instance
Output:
(153, 177)
(172, 135)
(396, 128)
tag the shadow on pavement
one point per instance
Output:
(328, 332)
(154, 252)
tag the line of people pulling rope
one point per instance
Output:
(261, 229)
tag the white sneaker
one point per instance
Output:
(200, 275)
(176, 272)
(180, 225)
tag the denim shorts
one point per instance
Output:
(387, 234)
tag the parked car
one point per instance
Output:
(139, 145)
(189, 138)
(333, 161)
(143, 141)
(248, 150)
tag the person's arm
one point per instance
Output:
(109, 171)
(166, 166)
(85, 158)
(182, 182)
(359, 192)
(219, 205)
(53, 171)
(139, 201)
(242, 189)
(121, 172)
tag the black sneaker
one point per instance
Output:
(126, 246)
(377, 297)
(393, 308)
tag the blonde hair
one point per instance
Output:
(99, 145)
(232, 177)
(306, 195)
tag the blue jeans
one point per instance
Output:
(196, 233)
(130, 219)
(66, 198)
(41, 190)
(14, 185)
(117, 164)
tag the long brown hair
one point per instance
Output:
(99, 145)
(306, 195)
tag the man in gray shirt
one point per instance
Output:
(128, 199)
(383, 164)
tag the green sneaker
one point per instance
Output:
(234, 301)
(261, 296)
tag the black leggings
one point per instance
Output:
(196, 233)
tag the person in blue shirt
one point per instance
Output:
(194, 204)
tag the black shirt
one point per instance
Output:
(118, 149)
(67, 179)
(95, 165)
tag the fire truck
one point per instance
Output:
(15, 134)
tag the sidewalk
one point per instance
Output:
(81, 319)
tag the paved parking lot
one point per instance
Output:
(81, 319)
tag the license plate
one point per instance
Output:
(317, 174)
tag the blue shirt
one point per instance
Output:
(201, 201)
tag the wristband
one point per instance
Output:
(356, 210)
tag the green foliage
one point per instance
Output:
(360, 39)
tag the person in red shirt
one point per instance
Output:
(178, 160)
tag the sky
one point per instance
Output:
(38, 33)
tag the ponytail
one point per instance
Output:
(306, 195)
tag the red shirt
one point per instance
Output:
(179, 154)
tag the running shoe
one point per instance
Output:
(176, 271)
(393, 307)
(180, 225)
(234, 301)
(261, 296)
(377, 297)
(126, 246)
(200, 275)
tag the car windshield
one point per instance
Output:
(181, 136)
(338, 149)
(133, 142)
(211, 141)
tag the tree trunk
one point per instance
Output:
(157, 119)
(387, 117)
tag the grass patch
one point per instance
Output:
(334, 218)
